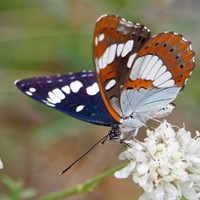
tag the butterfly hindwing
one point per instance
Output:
(159, 72)
(75, 94)
(115, 46)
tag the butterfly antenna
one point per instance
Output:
(102, 140)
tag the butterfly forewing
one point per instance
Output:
(115, 46)
(76, 94)
(158, 73)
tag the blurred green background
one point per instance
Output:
(55, 36)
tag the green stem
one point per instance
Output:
(81, 188)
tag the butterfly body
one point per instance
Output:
(137, 77)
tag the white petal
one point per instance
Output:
(143, 197)
(188, 192)
(142, 169)
(123, 173)
(122, 156)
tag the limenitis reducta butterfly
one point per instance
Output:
(137, 77)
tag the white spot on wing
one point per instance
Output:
(144, 64)
(112, 53)
(162, 79)
(51, 100)
(84, 75)
(54, 97)
(59, 93)
(32, 89)
(105, 58)
(48, 104)
(97, 65)
(100, 61)
(93, 89)
(154, 70)
(66, 89)
(101, 37)
(146, 29)
(131, 60)
(149, 66)
(168, 83)
(166, 31)
(129, 24)
(102, 16)
(119, 49)
(29, 93)
(185, 40)
(79, 108)
(110, 84)
(96, 41)
(136, 68)
(127, 47)
(75, 86)
(16, 81)
(161, 71)
(122, 19)
(190, 47)
(193, 59)
(186, 80)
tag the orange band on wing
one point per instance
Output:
(110, 109)
(138, 84)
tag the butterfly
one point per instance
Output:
(137, 77)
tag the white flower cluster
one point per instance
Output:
(166, 165)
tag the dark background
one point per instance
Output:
(55, 36)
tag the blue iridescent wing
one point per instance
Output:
(74, 94)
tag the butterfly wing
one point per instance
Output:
(159, 72)
(75, 94)
(136, 75)
(115, 46)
